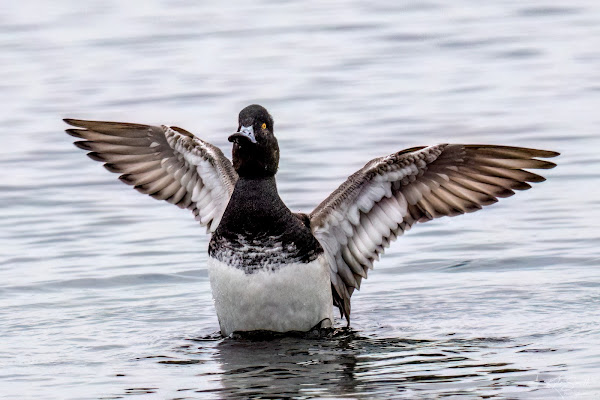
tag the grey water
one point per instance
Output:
(104, 291)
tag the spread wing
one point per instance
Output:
(390, 194)
(167, 163)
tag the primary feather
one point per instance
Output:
(390, 194)
(167, 163)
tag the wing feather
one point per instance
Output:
(390, 194)
(167, 163)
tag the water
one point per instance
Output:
(104, 292)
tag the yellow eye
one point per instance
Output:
(264, 126)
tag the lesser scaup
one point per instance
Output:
(274, 270)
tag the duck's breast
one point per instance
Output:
(279, 298)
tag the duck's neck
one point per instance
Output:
(257, 229)
(254, 205)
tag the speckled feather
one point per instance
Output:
(258, 231)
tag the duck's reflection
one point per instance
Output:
(346, 363)
(288, 366)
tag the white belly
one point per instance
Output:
(295, 297)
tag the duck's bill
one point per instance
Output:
(245, 132)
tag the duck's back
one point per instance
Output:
(267, 270)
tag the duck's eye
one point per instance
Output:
(264, 126)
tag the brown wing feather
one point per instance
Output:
(388, 195)
(167, 163)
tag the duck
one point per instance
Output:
(273, 270)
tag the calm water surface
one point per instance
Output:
(104, 292)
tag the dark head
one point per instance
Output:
(255, 148)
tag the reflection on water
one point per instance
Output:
(104, 292)
(348, 364)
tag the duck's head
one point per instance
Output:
(255, 148)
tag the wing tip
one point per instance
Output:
(547, 164)
(112, 167)
(78, 133)
(129, 180)
(83, 145)
(79, 123)
(96, 156)
(539, 152)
